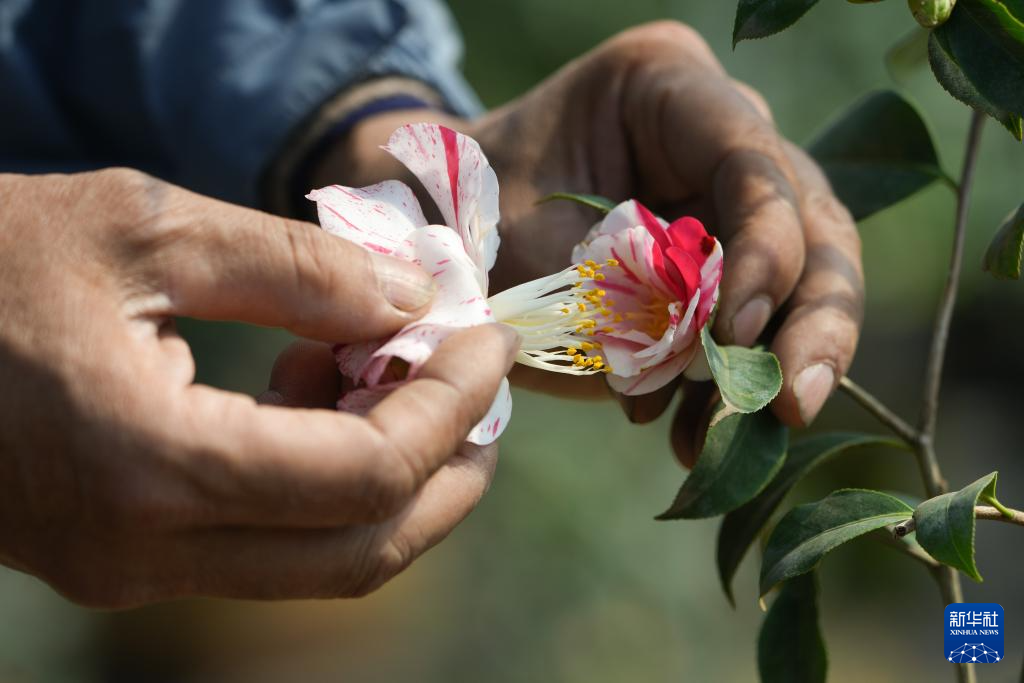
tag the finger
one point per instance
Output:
(718, 143)
(647, 407)
(220, 261)
(818, 338)
(346, 562)
(267, 465)
(690, 424)
(305, 375)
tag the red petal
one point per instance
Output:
(689, 234)
(686, 269)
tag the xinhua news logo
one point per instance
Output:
(974, 632)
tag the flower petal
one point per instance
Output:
(455, 172)
(458, 302)
(490, 428)
(711, 276)
(653, 378)
(377, 217)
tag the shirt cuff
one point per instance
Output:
(287, 179)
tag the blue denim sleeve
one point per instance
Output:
(201, 93)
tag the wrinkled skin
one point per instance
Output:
(124, 483)
(651, 114)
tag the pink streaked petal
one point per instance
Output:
(353, 359)
(621, 356)
(377, 217)
(653, 378)
(630, 248)
(458, 301)
(490, 428)
(711, 276)
(654, 225)
(455, 172)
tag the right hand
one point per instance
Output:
(123, 483)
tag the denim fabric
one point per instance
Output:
(200, 92)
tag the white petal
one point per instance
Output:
(377, 217)
(458, 302)
(455, 172)
(490, 428)
(654, 378)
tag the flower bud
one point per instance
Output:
(931, 13)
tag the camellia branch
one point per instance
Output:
(884, 414)
(934, 483)
(924, 448)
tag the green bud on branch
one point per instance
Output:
(931, 13)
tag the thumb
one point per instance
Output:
(227, 262)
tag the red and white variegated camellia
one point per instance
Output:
(664, 286)
(563, 319)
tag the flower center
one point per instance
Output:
(557, 316)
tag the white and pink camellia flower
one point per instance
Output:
(564, 319)
(665, 287)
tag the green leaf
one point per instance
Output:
(741, 455)
(951, 77)
(602, 204)
(978, 56)
(908, 54)
(945, 524)
(748, 379)
(1003, 258)
(762, 18)
(878, 153)
(808, 532)
(741, 526)
(790, 647)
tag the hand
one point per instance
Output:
(122, 482)
(651, 114)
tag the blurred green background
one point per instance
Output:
(562, 574)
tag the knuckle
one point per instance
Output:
(755, 98)
(385, 562)
(314, 273)
(658, 40)
(826, 205)
(391, 479)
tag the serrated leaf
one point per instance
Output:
(741, 526)
(602, 204)
(1004, 254)
(748, 379)
(741, 455)
(877, 153)
(762, 18)
(945, 524)
(952, 78)
(809, 532)
(790, 646)
(981, 43)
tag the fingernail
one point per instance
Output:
(406, 286)
(748, 323)
(812, 387)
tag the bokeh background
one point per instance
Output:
(562, 574)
